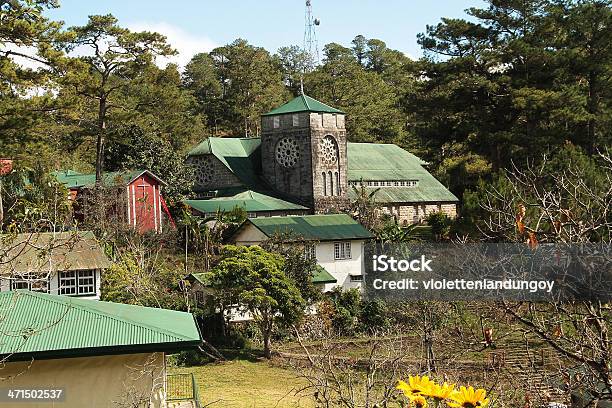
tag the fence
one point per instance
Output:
(183, 387)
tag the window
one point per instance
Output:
(296, 119)
(342, 250)
(337, 183)
(77, 283)
(331, 183)
(356, 278)
(310, 252)
(276, 122)
(252, 215)
(30, 282)
(324, 184)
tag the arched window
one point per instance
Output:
(328, 150)
(331, 183)
(324, 184)
(337, 184)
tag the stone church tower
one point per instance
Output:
(303, 153)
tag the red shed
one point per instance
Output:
(140, 202)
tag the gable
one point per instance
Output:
(242, 156)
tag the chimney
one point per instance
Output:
(6, 166)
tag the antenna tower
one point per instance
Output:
(311, 46)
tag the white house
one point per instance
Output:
(336, 241)
(63, 263)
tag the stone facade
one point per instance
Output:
(407, 213)
(304, 157)
(211, 174)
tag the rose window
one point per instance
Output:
(204, 170)
(329, 150)
(287, 152)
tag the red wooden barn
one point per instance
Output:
(139, 198)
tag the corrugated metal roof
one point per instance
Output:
(366, 161)
(48, 326)
(302, 103)
(387, 162)
(250, 201)
(73, 179)
(242, 156)
(322, 276)
(51, 252)
(313, 227)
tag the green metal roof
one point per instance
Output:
(313, 227)
(321, 276)
(366, 161)
(73, 179)
(51, 326)
(387, 162)
(303, 103)
(51, 252)
(241, 156)
(251, 201)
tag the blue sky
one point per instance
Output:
(194, 26)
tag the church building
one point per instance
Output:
(303, 163)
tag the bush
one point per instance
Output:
(374, 315)
(440, 224)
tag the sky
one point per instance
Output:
(193, 26)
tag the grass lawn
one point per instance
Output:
(247, 382)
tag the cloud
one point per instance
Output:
(185, 43)
(23, 61)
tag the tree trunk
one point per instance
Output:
(100, 140)
(266, 332)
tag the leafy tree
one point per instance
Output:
(113, 56)
(370, 103)
(249, 82)
(254, 279)
(515, 80)
(135, 148)
(297, 266)
(26, 108)
(294, 63)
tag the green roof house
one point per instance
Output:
(335, 241)
(90, 353)
(303, 157)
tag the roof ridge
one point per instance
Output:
(304, 98)
(69, 301)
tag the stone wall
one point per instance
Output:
(411, 213)
(303, 181)
(211, 173)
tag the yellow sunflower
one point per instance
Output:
(441, 392)
(416, 385)
(418, 400)
(469, 398)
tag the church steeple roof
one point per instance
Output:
(303, 103)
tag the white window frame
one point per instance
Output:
(25, 283)
(310, 252)
(342, 250)
(74, 283)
